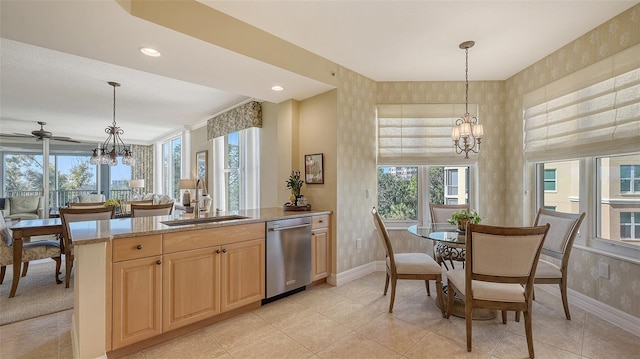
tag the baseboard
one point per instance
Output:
(603, 311)
(359, 272)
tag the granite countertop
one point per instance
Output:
(106, 230)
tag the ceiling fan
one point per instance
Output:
(40, 134)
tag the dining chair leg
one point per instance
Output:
(3, 271)
(25, 268)
(517, 316)
(468, 317)
(504, 317)
(394, 281)
(449, 301)
(386, 285)
(68, 264)
(565, 301)
(426, 282)
(528, 332)
(440, 294)
(58, 265)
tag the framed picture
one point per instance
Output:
(201, 166)
(314, 169)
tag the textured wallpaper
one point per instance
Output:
(143, 168)
(356, 170)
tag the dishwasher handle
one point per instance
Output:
(275, 229)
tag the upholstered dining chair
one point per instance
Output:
(148, 210)
(416, 266)
(440, 213)
(501, 281)
(558, 245)
(68, 215)
(85, 205)
(31, 251)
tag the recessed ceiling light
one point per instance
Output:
(277, 88)
(150, 52)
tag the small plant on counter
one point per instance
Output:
(294, 183)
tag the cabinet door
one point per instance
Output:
(137, 300)
(242, 274)
(319, 253)
(190, 286)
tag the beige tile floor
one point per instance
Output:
(351, 321)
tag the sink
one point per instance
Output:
(184, 222)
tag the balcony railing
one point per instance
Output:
(59, 198)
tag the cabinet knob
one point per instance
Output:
(158, 262)
(139, 246)
(224, 250)
(321, 221)
(218, 251)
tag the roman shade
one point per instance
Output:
(594, 111)
(415, 134)
(238, 118)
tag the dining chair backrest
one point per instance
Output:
(384, 236)
(125, 206)
(440, 213)
(503, 254)
(86, 205)
(149, 210)
(69, 215)
(563, 231)
(6, 240)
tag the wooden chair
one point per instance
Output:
(68, 215)
(499, 273)
(559, 242)
(85, 205)
(31, 251)
(148, 210)
(417, 266)
(125, 206)
(440, 213)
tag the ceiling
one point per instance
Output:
(57, 56)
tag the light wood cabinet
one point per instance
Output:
(137, 300)
(320, 247)
(164, 282)
(243, 274)
(190, 286)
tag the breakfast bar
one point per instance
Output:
(139, 281)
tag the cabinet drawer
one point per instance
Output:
(320, 221)
(137, 247)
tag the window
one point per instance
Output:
(616, 204)
(629, 178)
(404, 192)
(550, 179)
(171, 167)
(629, 225)
(550, 208)
(236, 170)
(451, 183)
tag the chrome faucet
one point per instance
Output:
(196, 210)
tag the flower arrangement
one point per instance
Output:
(294, 183)
(462, 217)
(112, 203)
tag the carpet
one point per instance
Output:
(37, 294)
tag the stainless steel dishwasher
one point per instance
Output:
(288, 255)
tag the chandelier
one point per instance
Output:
(113, 146)
(467, 127)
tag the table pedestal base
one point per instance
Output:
(458, 309)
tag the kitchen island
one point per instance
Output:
(140, 280)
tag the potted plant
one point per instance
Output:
(112, 203)
(295, 184)
(462, 217)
